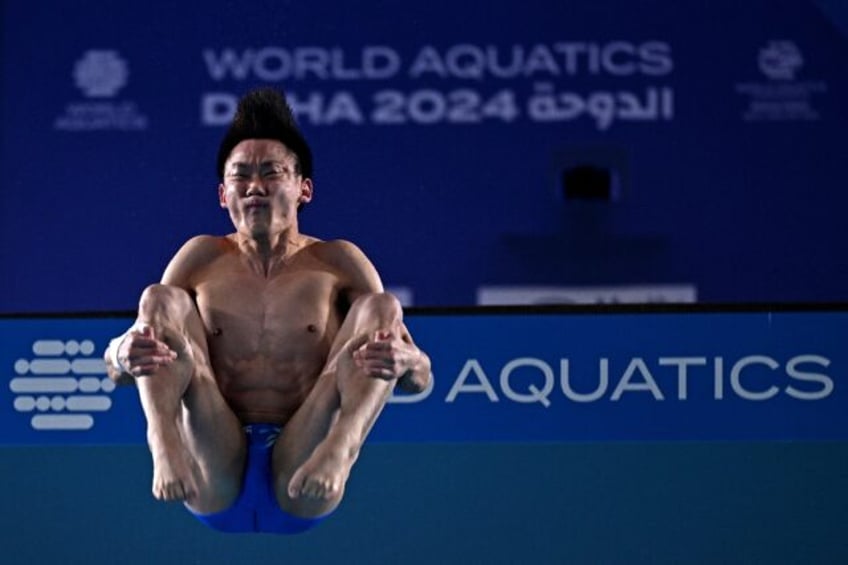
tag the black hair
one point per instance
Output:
(265, 114)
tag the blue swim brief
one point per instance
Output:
(256, 508)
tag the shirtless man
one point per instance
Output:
(264, 357)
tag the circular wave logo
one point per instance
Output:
(101, 73)
(780, 60)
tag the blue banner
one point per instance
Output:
(528, 377)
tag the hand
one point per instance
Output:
(140, 353)
(386, 356)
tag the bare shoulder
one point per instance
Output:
(205, 245)
(196, 253)
(340, 253)
(337, 250)
(350, 262)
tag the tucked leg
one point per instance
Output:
(196, 441)
(313, 458)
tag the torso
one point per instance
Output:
(269, 335)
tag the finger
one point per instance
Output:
(165, 359)
(139, 345)
(382, 373)
(379, 365)
(162, 349)
(376, 361)
(373, 356)
(144, 350)
(152, 360)
(143, 342)
(378, 345)
(146, 337)
(369, 364)
(150, 356)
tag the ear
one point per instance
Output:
(305, 191)
(222, 195)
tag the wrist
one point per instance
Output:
(113, 356)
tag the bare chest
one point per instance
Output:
(260, 330)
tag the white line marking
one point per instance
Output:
(25, 403)
(62, 422)
(89, 403)
(49, 366)
(31, 385)
(89, 384)
(48, 347)
(88, 367)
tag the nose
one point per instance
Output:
(256, 186)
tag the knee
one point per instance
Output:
(161, 302)
(157, 295)
(382, 306)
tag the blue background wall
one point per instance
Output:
(743, 208)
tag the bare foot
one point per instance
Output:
(323, 475)
(174, 471)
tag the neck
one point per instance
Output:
(263, 253)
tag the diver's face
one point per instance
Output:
(262, 188)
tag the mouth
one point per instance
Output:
(255, 205)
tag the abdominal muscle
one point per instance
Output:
(266, 371)
(266, 387)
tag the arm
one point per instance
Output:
(391, 347)
(137, 351)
